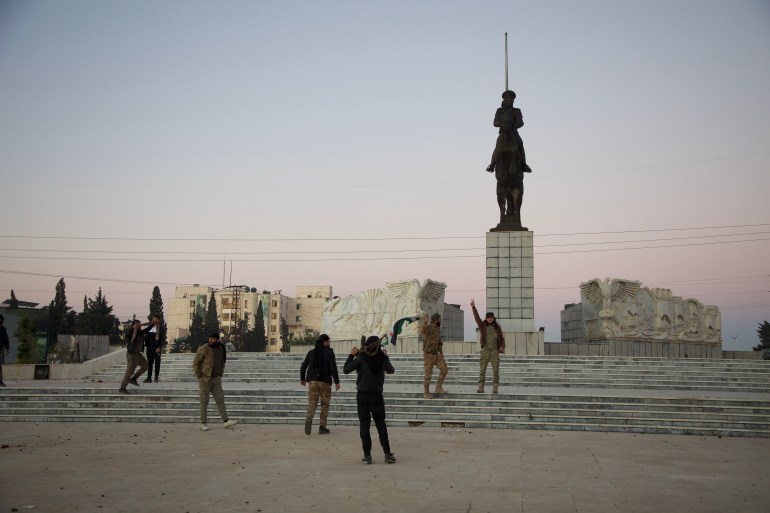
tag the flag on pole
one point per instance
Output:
(398, 327)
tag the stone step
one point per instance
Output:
(636, 414)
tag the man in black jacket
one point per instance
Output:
(319, 368)
(5, 346)
(371, 364)
(154, 343)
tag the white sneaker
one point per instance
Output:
(204, 427)
(230, 423)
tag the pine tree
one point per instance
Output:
(763, 332)
(27, 351)
(286, 337)
(13, 302)
(59, 319)
(97, 318)
(197, 336)
(156, 305)
(211, 323)
(259, 330)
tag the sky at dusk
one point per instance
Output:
(285, 143)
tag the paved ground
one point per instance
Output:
(115, 467)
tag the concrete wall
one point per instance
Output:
(741, 355)
(66, 370)
(653, 349)
(404, 345)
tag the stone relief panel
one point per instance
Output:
(621, 308)
(374, 311)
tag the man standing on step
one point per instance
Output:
(154, 343)
(492, 344)
(209, 367)
(319, 369)
(432, 354)
(134, 356)
(5, 346)
(371, 364)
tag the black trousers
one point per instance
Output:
(153, 357)
(372, 406)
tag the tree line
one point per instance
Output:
(97, 318)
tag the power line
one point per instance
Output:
(375, 186)
(357, 239)
(436, 257)
(122, 252)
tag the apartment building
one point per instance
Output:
(180, 309)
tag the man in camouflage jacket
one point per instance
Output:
(432, 353)
(209, 366)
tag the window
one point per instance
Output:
(225, 302)
(245, 303)
(191, 316)
(226, 317)
(299, 318)
(298, 305)
(272, 329)
(192, 304)
(274, 303)
(274, 316)
(273, 341)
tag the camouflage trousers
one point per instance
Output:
(211, 387)
(319, 390)
(484, 358)
(434, 360)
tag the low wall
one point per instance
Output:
(741, 355)
(652, 349)
(66, 370)
(406, 345)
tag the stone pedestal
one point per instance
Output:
(511, 290)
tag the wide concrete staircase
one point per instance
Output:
(640, 395)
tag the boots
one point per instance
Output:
(480, 390)
(426, 392)
(440, 388)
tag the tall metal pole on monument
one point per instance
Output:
(506, 61)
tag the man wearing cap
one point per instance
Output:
(432, 354)
(508, 119)
(492, 344)
(209, 367)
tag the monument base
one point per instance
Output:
(509, 224)
(522, 343)
(511, 289)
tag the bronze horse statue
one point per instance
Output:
(509, 165)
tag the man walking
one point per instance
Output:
(371, 364)
(134, 356)
(209, 367)
(319, 370)
(432, 354)
(155, 342)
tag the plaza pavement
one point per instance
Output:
(169, 468)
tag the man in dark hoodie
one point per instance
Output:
(319, 368)
(371, 364)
